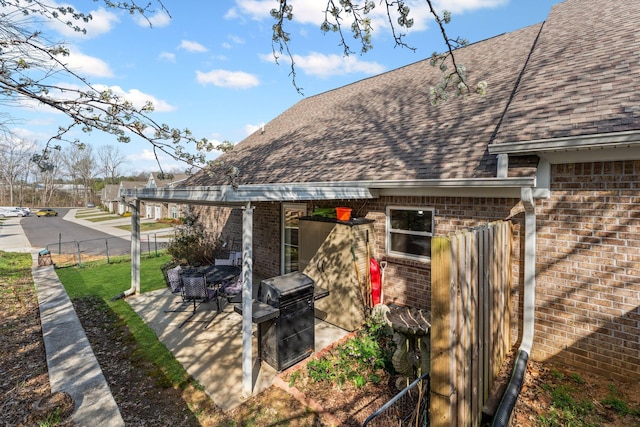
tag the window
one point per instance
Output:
(409, 232)
(291, 214)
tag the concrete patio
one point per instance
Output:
(213, 356)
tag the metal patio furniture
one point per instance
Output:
(196, 291)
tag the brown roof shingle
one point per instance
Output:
(583, 74)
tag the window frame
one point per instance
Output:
(288, 206)
(390, 230)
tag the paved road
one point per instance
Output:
(50, 231)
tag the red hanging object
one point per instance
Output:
(376, 286)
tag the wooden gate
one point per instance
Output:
(470, 320)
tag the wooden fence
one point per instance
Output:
(470, 320)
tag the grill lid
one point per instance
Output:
(275, 289)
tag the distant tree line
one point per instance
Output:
(78, 175)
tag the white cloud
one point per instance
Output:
(236, 39)
(87, 65)
(226, 45)
(249, 129)
(255, 9)
(144, 155)
(312, 13)
(139, 98)
(160, 19)
(145, 161)
(461, 6)
(324, 66)
(167, 56)
(31, 135)
(191, 46)
(102, 22)
(225, 78)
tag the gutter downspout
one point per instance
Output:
(135, 253)
(510, 396)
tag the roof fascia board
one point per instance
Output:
(588, 143)
(227, 195)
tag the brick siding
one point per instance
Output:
(588, 269)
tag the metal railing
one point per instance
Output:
(76, 252)
(410, 407)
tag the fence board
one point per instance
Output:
(470, 330)
(442, 335)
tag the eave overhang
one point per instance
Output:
(227, 195)
(584, 148)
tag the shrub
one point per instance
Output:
(192, 244)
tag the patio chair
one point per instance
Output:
(195, 290)
(231, 290)
(174, 282)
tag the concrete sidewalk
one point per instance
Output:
(73, 367)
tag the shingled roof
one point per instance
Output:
(582, 78)
(579, 68)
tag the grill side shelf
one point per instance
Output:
(260, 312)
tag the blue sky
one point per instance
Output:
(209, 67)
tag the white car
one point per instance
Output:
(11, 212)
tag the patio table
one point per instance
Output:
(216, 275)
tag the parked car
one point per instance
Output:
(11, 212)
(46, 212)
(26, 211)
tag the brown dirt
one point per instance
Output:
(145, 398)
(25, 395)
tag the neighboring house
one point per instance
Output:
(121, 205)
(110, 197)
(158, 210)
(556, 139)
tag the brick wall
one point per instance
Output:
(588, 269)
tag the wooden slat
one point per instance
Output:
(476, 403)
(443, 393)
(485, 312)
(457, 271)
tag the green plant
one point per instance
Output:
(565, 409)
(293, 378)
(358, 360)
(192, 244)
(52, 419)
(616, 402)
(577, 378)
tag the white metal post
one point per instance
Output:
(247, 299)
(135, 247)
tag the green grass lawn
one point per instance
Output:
(108, 280)
(106, 217)
(147, 226)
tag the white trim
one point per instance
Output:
(571, 143)
(285, 206)
(388, 231)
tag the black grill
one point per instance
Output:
(288, 338)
